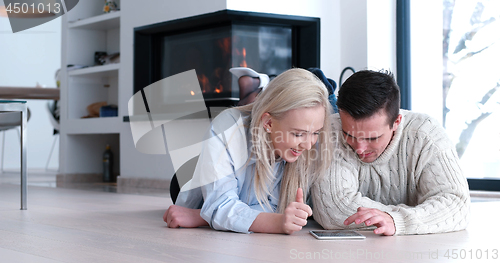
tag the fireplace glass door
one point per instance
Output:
(212, 52)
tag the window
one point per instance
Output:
(471, 79)
(455, 78)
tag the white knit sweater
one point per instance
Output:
(417, 180)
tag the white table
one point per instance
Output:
(24, 93)
(19, 106)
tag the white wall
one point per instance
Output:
(368, 38)
(427, 57)
(134, 164)
(381, 35)
(353, 38)
(29, 57)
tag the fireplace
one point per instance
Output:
(215, 42)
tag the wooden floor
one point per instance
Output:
(72, 225)
(68, 225)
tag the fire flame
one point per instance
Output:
(244, 62)
(205, 84)
(211, 85)
(225, 45)
(218, 89)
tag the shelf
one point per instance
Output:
(86, 30)
(100, 22)
(97, 71)
(104, 125)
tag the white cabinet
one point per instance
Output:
(86, 29)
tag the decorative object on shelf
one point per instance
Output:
(110, 6)
(102, 58)
(94, 108)
(108, 111)
(72, 67)
(107, 163)
(98, 57)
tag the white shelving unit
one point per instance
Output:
(110, 70)
(87, 29)
(93, 126)
(100, 22)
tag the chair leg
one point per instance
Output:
(50, 154)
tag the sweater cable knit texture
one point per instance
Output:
(417, 180)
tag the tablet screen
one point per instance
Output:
(336, 234)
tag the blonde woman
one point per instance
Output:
(259, 160)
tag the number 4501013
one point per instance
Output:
(25, 8)
(471, 254)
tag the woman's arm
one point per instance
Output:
(178, 216)
(221, 173)
(294, 218)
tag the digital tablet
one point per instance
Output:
(336, 234)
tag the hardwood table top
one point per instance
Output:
(26, 93)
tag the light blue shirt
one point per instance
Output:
(223, 181)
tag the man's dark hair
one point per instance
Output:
(366, 92)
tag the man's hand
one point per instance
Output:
(371, 216)
(296, 213)
(178, 216)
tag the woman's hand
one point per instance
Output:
(178, 216)
(296, 213)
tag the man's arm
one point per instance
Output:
(443, 199)
(442, 192)
(336, 197)
(373, 217)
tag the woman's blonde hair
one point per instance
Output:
(293, 89)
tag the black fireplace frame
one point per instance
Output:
(147, 39)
